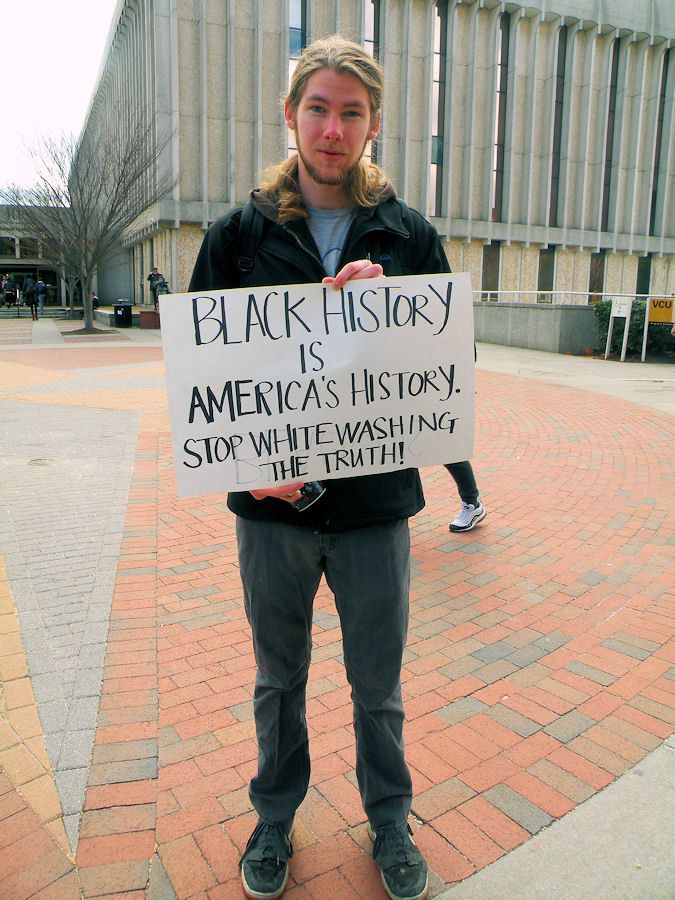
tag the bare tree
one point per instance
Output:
(87, 194)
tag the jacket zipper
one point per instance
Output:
(307, 250)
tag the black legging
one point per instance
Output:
(462, 472)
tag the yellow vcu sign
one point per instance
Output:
(661, 309)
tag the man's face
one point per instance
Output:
(332, 126)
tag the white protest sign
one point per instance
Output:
(302, 382)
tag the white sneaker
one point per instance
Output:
(468, 517)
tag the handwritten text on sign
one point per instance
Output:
(273, 384)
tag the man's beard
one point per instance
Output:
(343, 179)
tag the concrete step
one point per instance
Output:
(49, 312)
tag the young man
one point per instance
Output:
(327, 215)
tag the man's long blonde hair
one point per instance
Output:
(367, 180)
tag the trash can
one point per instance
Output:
(123, 315)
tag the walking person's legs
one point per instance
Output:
(472, 511)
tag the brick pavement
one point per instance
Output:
(539, 665)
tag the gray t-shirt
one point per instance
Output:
(329, 229)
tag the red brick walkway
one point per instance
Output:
(538, 667)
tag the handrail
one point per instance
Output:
(550, 298)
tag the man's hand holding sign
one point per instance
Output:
(362, 268)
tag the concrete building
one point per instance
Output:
(20, 258)
(537, 138)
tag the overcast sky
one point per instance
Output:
(51, 53)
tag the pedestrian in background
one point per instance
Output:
(8, 291)
(41, 290)
(162, 288)
(30, 296)
(155, 277)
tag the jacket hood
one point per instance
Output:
(265, 202)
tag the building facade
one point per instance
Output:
(537, 138)
(20, 258)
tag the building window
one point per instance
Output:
(297, 40)
(371, 42)
(500, 117)
(435, 206)
(371, 39)
(644, 272)
(596, 281)
(490, 283)
(557, 126)
(297, 28)
(546, 273)
(8, 247)
(609, 145)
(28, 248)
(658, 141)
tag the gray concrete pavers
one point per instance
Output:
(64, 479)
(46, 331)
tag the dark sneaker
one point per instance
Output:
(468, 517)
(264, 864)
(404, 870)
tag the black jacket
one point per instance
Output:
(404, 243)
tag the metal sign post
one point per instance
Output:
(621, 309)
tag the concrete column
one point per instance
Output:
(404, 109)
(360, 16)
(231, 110)
(642, 133)
(665, 195)
(662, 268)
(382, 149)
(479, 115)
(283, 79)
(325, 18)
(589, 146)
(449, 114)
(257, 62)
(622, 137)
(204, 111)
(421, 126)
(486, 55)
(309, 23)
(519, 118)
(509, 275)
(174, 107)
(629, 272)
(164, 79)
(536, 161)
(606, 44)
(575, 127)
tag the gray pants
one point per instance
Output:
(368, 571)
